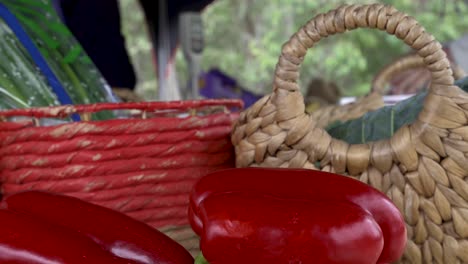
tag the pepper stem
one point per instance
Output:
(200, 259)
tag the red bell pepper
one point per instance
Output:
(38, 227)
(27, 240)
(257, 215)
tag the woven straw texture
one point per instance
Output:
(408, 62)
(328, 114)
(423, 167)
(143, 166)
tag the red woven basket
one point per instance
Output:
(143, 165)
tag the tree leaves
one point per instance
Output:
(351, 60)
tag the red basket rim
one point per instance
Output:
(68, 110)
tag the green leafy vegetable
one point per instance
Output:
(21, 83)
(66, 58)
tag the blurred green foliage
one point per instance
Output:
(244, 38)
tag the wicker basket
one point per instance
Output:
(143, 165)
(423, 167)
(327, 114)
(405, 63)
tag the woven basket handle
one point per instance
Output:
(402, 64)
(287, 97)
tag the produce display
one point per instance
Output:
(44, 228)
(257, 215)
(252, 215)
(241, 215)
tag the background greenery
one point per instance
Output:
(244, 37)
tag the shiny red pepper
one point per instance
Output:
(38, 227)
(257, 215)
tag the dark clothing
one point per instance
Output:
(174, 8)
(96, 25)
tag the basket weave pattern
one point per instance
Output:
(143, 167)
(328, 114)
(423, 168)
(408, 62)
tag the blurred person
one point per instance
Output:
(96, 24)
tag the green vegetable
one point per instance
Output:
(66, 58)
(382, 123)
(200, 259)
(20, 80)
(33, 83)
(9, 100)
